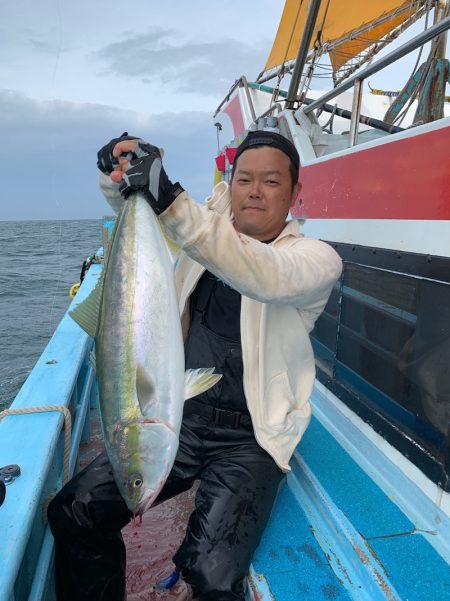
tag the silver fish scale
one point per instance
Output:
(139, 349)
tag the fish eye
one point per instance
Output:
(136, 481)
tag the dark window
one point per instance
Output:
(383, 346)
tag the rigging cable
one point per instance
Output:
(53, 172)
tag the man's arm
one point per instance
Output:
(301, 274)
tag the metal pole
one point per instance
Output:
(356, 112)
(376, 123)
(249, 98)
(241, 82)
(302, 54)
(441, 41)
(406, 48)
(329, 108)
(236, 84)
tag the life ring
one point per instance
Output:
(74, 289)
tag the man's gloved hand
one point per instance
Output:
(146, 175)
(106, 162)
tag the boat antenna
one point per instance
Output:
(218, 127)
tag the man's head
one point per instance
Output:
(264, 184)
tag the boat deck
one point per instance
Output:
(334, 534)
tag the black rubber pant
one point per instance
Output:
(238, 486)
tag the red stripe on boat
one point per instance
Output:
(404, 179)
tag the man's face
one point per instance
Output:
(262, 192)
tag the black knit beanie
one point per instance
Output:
(268, 138)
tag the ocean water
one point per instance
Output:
(39, 261)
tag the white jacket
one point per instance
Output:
(285, 286)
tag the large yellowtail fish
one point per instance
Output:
(133, 316)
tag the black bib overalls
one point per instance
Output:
(214, 340)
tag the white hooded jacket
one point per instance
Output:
(284, 285)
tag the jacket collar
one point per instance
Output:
(292, 228)
(220, 202)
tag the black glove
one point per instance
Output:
(147, 176)
(105, 160)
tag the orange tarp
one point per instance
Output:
(337, 19)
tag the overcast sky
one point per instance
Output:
(75, 74)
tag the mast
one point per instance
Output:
(436, 74)
(302, 55)
(441, 40)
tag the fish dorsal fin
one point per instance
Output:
(86, 314)
(145, 390)
(199, 380)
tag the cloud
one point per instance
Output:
(45, 47)
(49, 169)
(209, 68)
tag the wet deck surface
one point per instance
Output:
(151, 545)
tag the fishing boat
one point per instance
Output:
(365, 512)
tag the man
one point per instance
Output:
(250, 288)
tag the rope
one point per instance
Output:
(74, 289)
(67, 428)
(378, 92)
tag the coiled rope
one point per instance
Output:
(67, 428)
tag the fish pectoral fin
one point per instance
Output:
(145, 390)
(199, 380)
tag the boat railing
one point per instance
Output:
(274, 107)
(32, 436)
(309, 105)
(239, 83)
(357, 80)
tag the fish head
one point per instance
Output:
(147, 452)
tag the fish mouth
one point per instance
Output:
(145, 505)
(155, 420)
